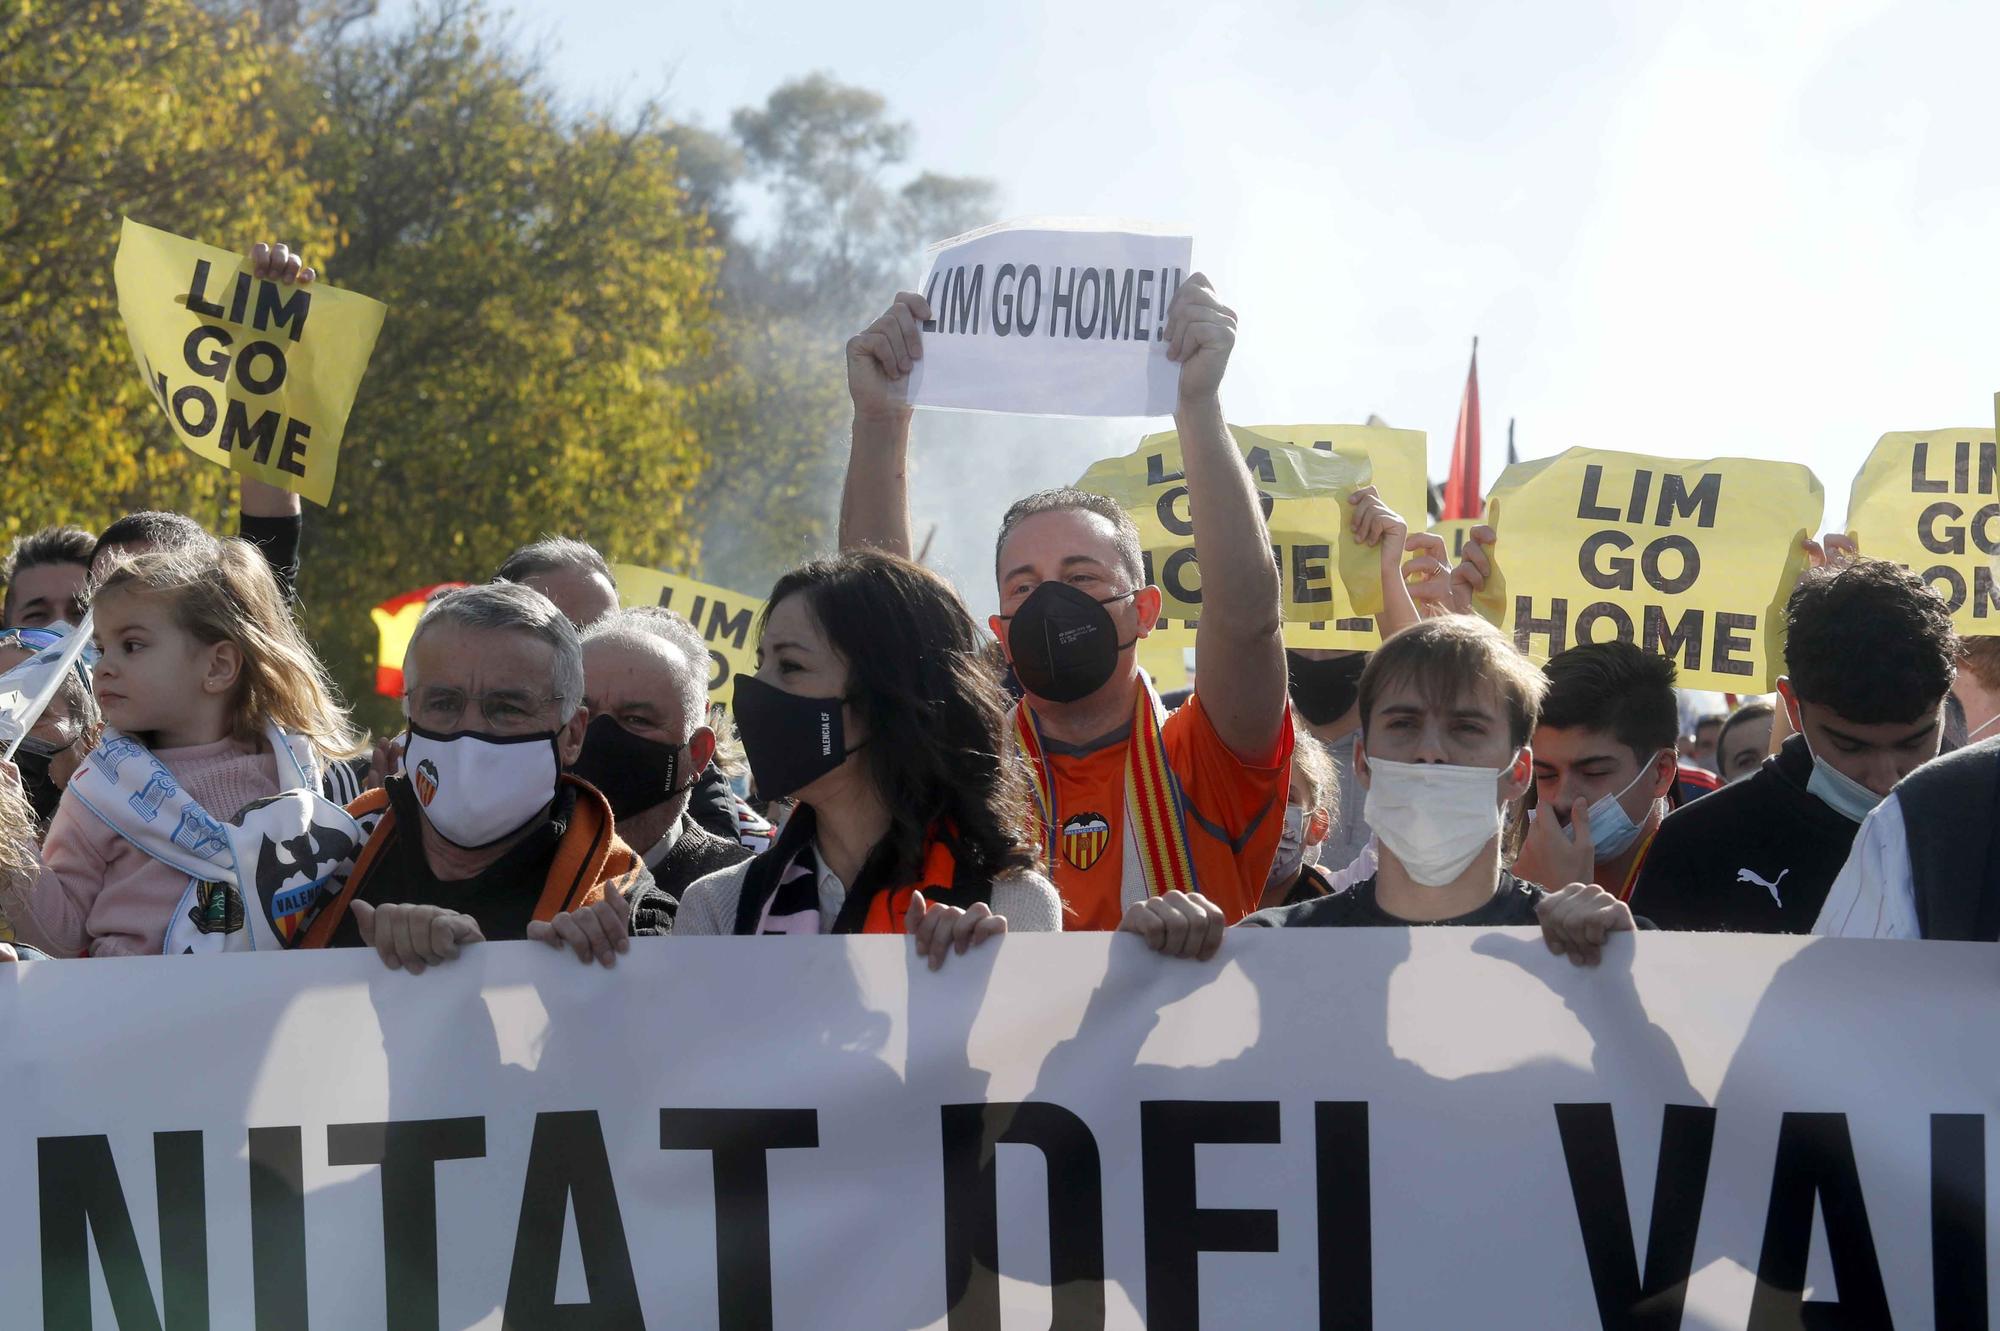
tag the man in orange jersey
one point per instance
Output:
(1132, 803)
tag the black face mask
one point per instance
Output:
(33, 758)
(791, 739)
(1325, 689)
(634, 773)
(1063, 642)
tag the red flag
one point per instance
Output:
(395, 624)
(1462, 495)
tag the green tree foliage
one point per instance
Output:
(612, 327)
(551, 289)
(843, 240)
(552, 307)
(150, 108)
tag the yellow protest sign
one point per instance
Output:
(726, 620)
(1930, 499)
(1164, 659)
(1331, 585)
(1692, 560)
(1395, 458)
(255, 375)
(1455, 534)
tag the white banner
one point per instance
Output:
(1376, 1127)
(1053, 319)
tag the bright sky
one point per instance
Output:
(1767, 229)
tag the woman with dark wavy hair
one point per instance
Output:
(875, 707)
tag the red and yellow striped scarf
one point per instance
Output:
(1156, 821)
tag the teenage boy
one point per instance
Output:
(1869, 654)
(1447, 709)
(1606, 766)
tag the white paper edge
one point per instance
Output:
(1109, 225)
(1041, 415)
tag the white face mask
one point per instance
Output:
(1983, 727)
(475, 788)
(1435, 818)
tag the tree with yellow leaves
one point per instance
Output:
(155, 109)
(549, 288)
(549, 292)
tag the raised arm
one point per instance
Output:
(1242, 675)
(1377, 525)
(269, 517)
(875, 501)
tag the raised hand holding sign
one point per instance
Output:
(255, 366)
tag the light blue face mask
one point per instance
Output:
(1612, 830)
(1831, 786)
(1839, 791)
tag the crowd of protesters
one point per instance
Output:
(561, 776)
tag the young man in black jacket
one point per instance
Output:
(1869, 654)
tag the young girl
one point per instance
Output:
(212, 705)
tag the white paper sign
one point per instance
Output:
(27, 689)
(1051, 319)
(1395, 1128)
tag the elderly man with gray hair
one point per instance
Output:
(484, 834)
(645, 683)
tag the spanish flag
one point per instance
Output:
(395, 623)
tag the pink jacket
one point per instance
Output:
(97, 893)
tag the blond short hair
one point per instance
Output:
(1450, 657)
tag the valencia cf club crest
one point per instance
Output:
(425, 780)
(1084, 838)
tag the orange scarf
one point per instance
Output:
(781, 890)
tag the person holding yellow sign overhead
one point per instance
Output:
(1325, 685)
(1132, 804)
(269, 517)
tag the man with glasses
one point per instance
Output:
(1133, 804)
(483, 834)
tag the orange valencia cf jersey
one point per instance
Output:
(1235, 811)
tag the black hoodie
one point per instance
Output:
(1756, 857)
